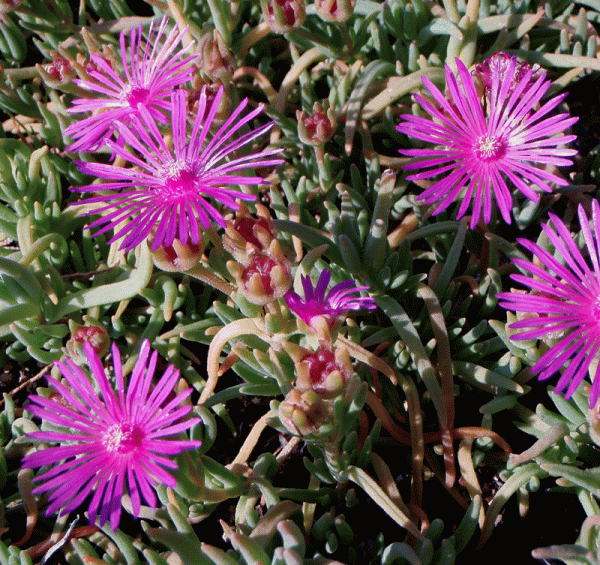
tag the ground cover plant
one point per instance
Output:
(286, 282)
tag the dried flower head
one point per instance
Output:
(482, 144)
(59, 69)
(565, 301)
(151, 71)
(166, 191)
(341, 298)
(109, 437)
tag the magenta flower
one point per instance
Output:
(563, 304)
(482, 143)
(166, 191)
(106, 438)
(151, 72)
(339, 299)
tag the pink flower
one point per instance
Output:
(564, 302)
(107, 438)
(167, 189)
(339, 299)
(482, 143)
(151, 72)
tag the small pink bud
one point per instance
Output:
(335, 10)
(316, 128)
(283, 15)
(60, 69)
(95, 335)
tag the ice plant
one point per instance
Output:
(563, 302)
(150, 72)
(108, 437)
(341, 298)
(483, 145)
(167, 189)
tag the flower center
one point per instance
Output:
(596, 311)
(122, 438)
(489, 148)
(180, 178)
(134, 95)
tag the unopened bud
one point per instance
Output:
(325, 372)
(178, 258)
(283, 15)
(215, 59)
(246, 234)
(95, 335)
(265, 278)
(335, 10)
(302, 413)
(316, 128)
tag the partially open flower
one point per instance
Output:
(283, 15)
(266, 276)
(316, 305)
(318, 127)
(335, 10)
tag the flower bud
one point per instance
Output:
(266, 276)
(498, 65)
(58, 72)
(316, 128)
(283, 15)
(9, 5)
(193, 100)
(245, 234)
(324, 371)
(215, 59)
(95, 335)
(302, 413)
(335, 10)
(178, 258)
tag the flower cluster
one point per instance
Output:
(109, 437)
(563, 303)
(484, 141)
(324, 372)
(165, 193)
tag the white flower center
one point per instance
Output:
(489, 148)
(122, 438)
